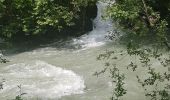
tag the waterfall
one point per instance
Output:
(42, 72)
(101, 27)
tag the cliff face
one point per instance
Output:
(84, 23)
(87, 16)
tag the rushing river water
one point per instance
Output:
(53, 72)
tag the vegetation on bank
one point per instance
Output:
(141, 20)
(145, 24)
(31, 17)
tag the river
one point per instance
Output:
(64, 71)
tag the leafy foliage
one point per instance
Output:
(142, 20)
(115, 74)
(19, 97)
(155, 83)
(29, 17)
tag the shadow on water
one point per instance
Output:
(13, 48)
(66, 43)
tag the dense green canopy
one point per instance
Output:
(28, 17)
(143, 17)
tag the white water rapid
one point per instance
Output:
(101, 27)
(39, 79)
(51, 72)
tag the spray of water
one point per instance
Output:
(100, 29)
(40, 79)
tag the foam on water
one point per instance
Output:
(41, 80)
(100, 30)
(44, 52)
(1, 54)
(95, 38)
